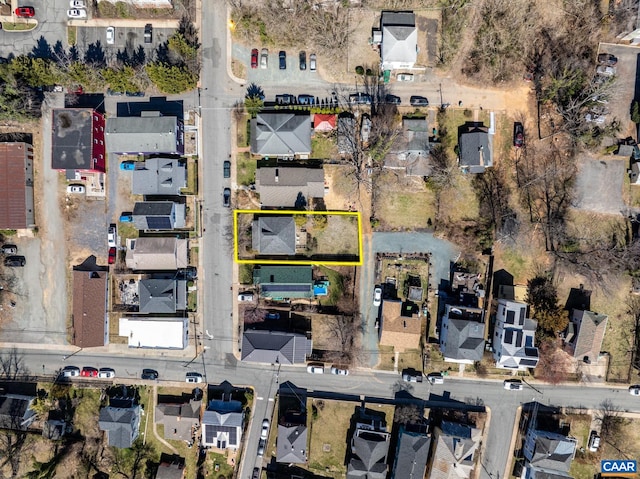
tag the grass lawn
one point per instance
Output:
(127, 230)
(245, 273)
(385, 353)
(328, 432)
(452, 118)
(459, 202)
(192, 300)
(336, 286)
(9, 26)
(87, 411)
(411, 358)
(242, 128)
(192, 178)
(323, 147)
(217, 467)
(245, 169)
(625, 444)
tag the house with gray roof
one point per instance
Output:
(16, 411)
(282, 282)
(549, 451)
(158, 215)
(369, 449)
(455, 451)
(462, 334)
(261, 346)
(156, 253)
(289, 187)
(474, 147)
(411, 150)
(180, 419)
(275, 235)
(159, 176)
(399, 49)
(514, 336)
(222, 424)
(412, 452)
(346, 131)
(162, 296)
(291, 447)
(145, 135)
(584, 335)
(281, 134)
(121, 425)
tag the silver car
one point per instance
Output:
(111, 35)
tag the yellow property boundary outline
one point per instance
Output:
(236, 253)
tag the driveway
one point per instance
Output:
(625, 87)
(599, 184)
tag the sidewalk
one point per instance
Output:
(124, 23)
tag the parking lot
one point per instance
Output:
(599, 184)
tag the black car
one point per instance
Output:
(285, 99)
(283, 59)
(518, 135)
(226, 168)
(189, 273)
(392, 99)
(256, 473)
(360, 98)
(135, 93)
(607, 59)
(226, 197)
(149, 374)
(148, 33)
(303, 60)
(15, 261)
(416, 100)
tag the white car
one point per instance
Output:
(71, 371)
(243, 297)
(315, 368)
(193, 377)
(264, 58)
(77, 13)
(111, 35)
(106, 373)
(75, 189)
(112, 236)
(595, 118)
(594, 441)
(265, 429)
(405, 77)
(339, 371)
(513, 385)
(634, 390)
(77, 4)
(606, 71)
(377, 296)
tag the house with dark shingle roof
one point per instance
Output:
(222, 424)
(159, 176)
(289, 187)
(549, 451)
(411, 150)
(584, 335)
(474, 153)
(369, 448)
(121, 424)
(172, 469)
(16, 411)
(274, 235)
(90, 319)
(399, 49)
(455, 450)
(281, 282)
(260, 346)
(281, 134)
(180, 418)
(291, 447)
(462, 334)
(17, 209)
(346, 133)
(514, 336)
(411, 455)
(147, 134)
(162, 296)
(158, 215)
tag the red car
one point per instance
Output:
(25, 12)
(254, 58)
(112, 255)
(89, 372)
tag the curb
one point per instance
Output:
(237, 80)
(512, 444)
(33, 23)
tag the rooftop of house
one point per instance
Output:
(289, 186)
(142, 134)
(16, 186)
(159, 176)
(275, 347)
(121, 424)
(475, 150)
(281, 133)
(274, 235)
(89, 308)
(72, 138)
(401, 326)
(291, 446)
(585, 333)
(399, 37)
(411, 455)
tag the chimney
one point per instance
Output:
(277, 175)
(481, 151)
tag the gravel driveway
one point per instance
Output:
(599, 185)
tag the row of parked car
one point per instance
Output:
(282, 59)
(12, 259)
(110, 373)
(606, 69)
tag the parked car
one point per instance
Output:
(77, 4)
(417, 100)
(392, 99)
(89, 372)
(607, 59)
(15, 261)
(412, 376)
(107, 373)
(360, 98)
(25, 12)
(405, 77)
(265, 429)
(435, 378)
(149, 374)
(312, 62)
(606, 71)
(264, 58)
(256, 473)
(226, 197)
(148, 33)
(135, 93)
(77, 13)
(126, 217)
(513, 385)
(261, 444)
(193, 377)
(634, 390)
(112, 236)
(305, 99)
(285, 99)
(594, 118)
(315, 368)
(303, 60)
(111, 35)
(272, 316)
(254, 58)
(518, 135)
(112, 255)
(282, 60)
(243, 297)
(75, 189)
(70, 371)
(339, 371)
(189, 273)
(377, 296)
(226, 169)
(594, 441)
(9, 249)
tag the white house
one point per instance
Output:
(399, 49)
(513, 337)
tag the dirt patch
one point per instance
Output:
(342, 190)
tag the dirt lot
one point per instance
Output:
(599, 184)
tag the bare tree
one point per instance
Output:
(12, 366)
(344, 330)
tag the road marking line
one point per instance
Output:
(270, 399)
(259, 398)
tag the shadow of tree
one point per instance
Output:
(42, 49)
(95, 55)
